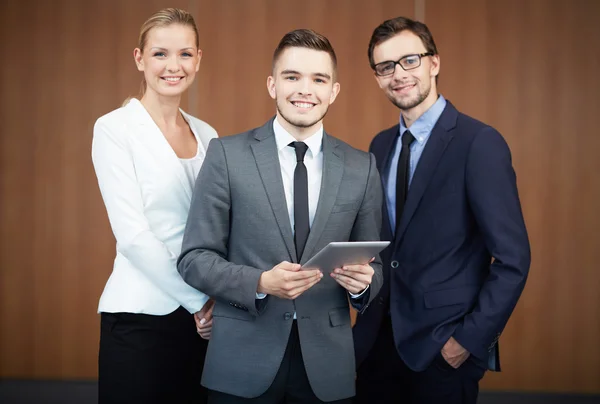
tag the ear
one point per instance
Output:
(435, 65)
(199, 59)
(139, 60)
(271, 87)
(334, 92)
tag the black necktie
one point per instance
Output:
(301, 221)
(402, 176)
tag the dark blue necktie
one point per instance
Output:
(402, 176)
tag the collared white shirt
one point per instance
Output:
(313, 160)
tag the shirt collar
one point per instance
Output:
(283, 138)
(421, 128)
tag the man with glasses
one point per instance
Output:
(460, 254)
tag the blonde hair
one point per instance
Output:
(160, 19)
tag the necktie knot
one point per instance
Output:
(300, 148)
(407, 138)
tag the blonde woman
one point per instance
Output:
(147, 154)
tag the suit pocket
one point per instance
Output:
(344, 207)
(224, 310)
(442, 365)
(449, 297)
(339, 317)
(447, 189)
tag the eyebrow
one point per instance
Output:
(164, 49)
(401, 57)
(288, 71)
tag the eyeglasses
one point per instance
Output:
(407, 62)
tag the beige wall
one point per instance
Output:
(528, 67)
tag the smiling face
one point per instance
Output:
(169, 60)
(413, 90)
(303, 86)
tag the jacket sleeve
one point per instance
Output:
(203, 261)
(494, 201)
(367, 227)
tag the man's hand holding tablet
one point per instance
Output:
(348, 263)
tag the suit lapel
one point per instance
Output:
(333, 170)
(383, 156)
(434, 149)
(267, 161)
(388, 145)
(157, 144)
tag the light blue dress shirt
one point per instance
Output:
(420, 129)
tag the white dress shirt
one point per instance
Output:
(313, 160)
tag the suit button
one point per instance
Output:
(395, 264)
(381, 300)
(287, 316)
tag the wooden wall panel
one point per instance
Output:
(16, 229)
(71, 63)
(238, 44)
(529, 68)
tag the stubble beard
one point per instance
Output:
(407, 104)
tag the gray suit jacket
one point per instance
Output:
(238, 227)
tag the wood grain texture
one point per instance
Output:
(71, 62)
(528, 68)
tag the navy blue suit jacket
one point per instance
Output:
(461, 257)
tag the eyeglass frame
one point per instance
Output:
(397, 62)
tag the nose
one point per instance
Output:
(399, 73)
(173, 64)
(305, 86)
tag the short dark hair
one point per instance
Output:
(305, 38)
(393, 27)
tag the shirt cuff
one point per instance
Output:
(352, 295)
(262, 295)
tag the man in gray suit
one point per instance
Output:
(281, 333)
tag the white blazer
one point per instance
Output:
(147, 198)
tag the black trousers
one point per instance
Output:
(384, 378)
(291, 385)
(150, 359)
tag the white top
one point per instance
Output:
(192, 165)
(147, 195)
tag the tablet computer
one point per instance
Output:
(339, 253)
